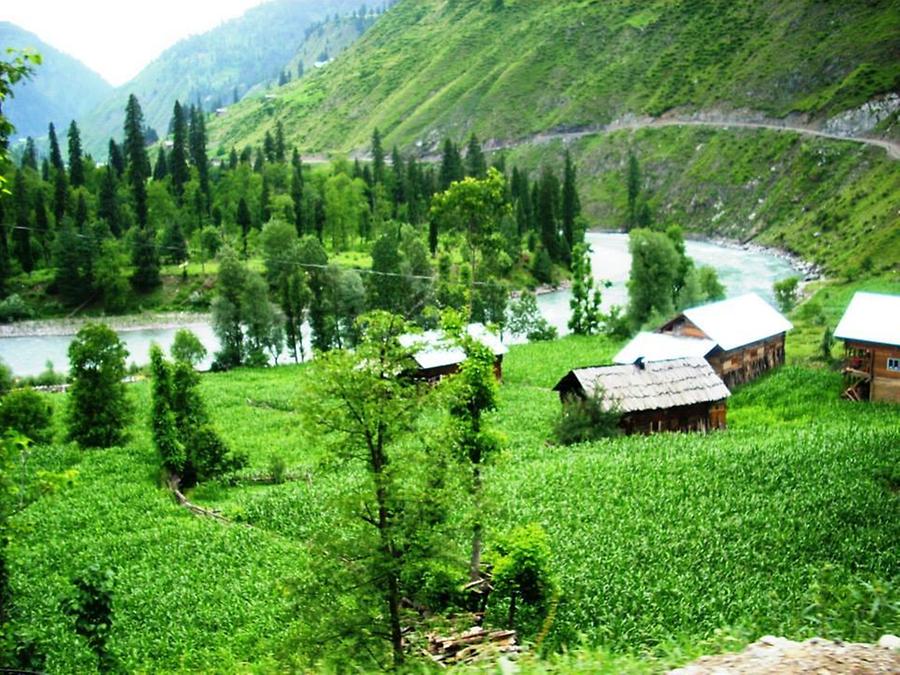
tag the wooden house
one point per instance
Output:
(870, 329)
(675, 395)
(741, 338)
(436, 356)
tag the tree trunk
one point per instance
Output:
(477, 528)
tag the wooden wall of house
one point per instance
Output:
(885, 383)
(439, 373)
(746, 363)
(701, 417)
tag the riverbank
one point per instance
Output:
(127, 322)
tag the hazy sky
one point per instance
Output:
(117, 38)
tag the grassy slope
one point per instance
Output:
(830, 202)
(448, 67)
(659, 542)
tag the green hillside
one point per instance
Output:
(432, 68)
(60, 90)
(208, 68)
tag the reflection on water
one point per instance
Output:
(740, 271)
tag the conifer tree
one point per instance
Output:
(451, 165)
(145, 258)
(115, 158)
(269, 147)
(136, 161)
(29, 157)
(571, 205)
(108, 201)
(547, 214)
(399, 173)
(81, 211)
(160, 167)
(244, 221)
(476, 164)
(56, 160)
(60, 196)
(265, 199)
(178, 159)
(377, 158)
(586, 299)
(76, 160)
(22, 232)
(280, 150)
(42, 223)
(297, 200)
(634, 190)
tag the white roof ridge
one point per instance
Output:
(738, 321)
(871, 317)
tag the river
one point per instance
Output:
(741, 271)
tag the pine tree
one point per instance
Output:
(42, 223)
(178, 159)
(108, 201)
(586, 299)
(160, 168)
(476, 164)
(244, 221)
(29, 157)
(145, 258)
(197, 147)
(634, 190)
(56, 160)
(280, 150)
(399, 173)
(81, 211)
(571, 205)
(115, 158)
(136, 161)
(297, 199)
(378, 169)
(451, 165)
(547, 213)
(76, 160)
(265, 205)
(269, 147)
(60, 196)
(22, 233)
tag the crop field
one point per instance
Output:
(663, 546)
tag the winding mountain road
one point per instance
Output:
(891, 147)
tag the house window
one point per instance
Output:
(893, 365)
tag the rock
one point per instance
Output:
(889, 642)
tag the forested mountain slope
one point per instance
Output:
(60, 90)
(432, 68)
(210, 68)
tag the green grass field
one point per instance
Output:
(664, 546)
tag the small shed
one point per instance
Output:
(675, 395)
(870, 329)
(437, 356)
(748, 336)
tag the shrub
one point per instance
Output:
(187, 347)
(586, 419)
(98, 404)
(26, 411)
(6, 378)
(787, 293)
(14, 308)
(277, 468)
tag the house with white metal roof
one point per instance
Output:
(741, 338)
(437, 355)
(870, 329)
(673, 395)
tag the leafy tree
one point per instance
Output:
(473, 392)
(187, 348)
(710, 286)
(365, 407)
(91, 605)
(174, 244)
(787, 293)
(297, 199)
(295, 297)
(321, 315)
(28, 413)
(654, 269)
(99, 409)
(226, 311)
(76, 160)
(387, 289)
(263, 323)
(522, 576)
(525, 319)
(586, 300)
(109, 276)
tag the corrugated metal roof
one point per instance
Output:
(436, 350)
(657, 386)
(738, 321)
(871, 317)
(661, 347)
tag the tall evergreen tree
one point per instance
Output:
(60, 196)
(280, 150)
(571, 205)
(22, 231)
(633, 185)
(42, 224)
(476, 164)
(161, 166)
(297, 200)
(76, 159)
(244, 221)
(378, 170)
(145, 258)
(265, 202)
(399, 174)
(115, 158)
(197, 147)
(178, 158)
(56, 160)
(29, 157)
(269, 147)
(81, 211)
(136, 161)
(547, 213)
(451, 165)
(108, 201)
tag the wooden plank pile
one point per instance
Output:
(472, 645)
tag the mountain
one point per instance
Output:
(213, 68)
(61, 89)
(508, 69)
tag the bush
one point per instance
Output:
(586, 419)
(6, 378)
(27, 411)
(14, 308)
(277, 468)
(187, 347)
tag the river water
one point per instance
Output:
(741, 271)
